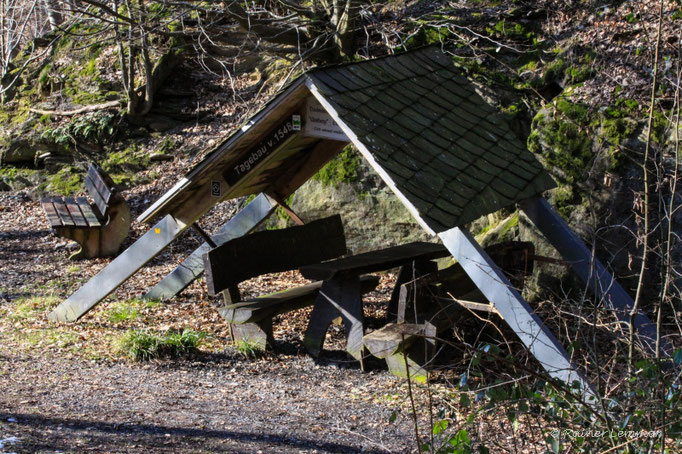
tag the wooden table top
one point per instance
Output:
(379, 260)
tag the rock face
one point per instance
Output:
(372, 215)
(21, 145)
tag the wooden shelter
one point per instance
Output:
(445, 152)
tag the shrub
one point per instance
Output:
(141, 345)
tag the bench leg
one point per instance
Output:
(88, 239)
(258, 334)
(116, 229)
(413, 361)
(337, 296)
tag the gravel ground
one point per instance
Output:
(218, 404)
(65, 389)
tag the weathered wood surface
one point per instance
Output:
(282, 302)
(273, 251)
(514, 309)
(120, 269)
(339, 296)
(389, 339)
(251, 321)
(408, 272)
(100, 187)
(51, 212)
(99, 229)
(63, 213)
(407, 348)
(590, 271)
(89, 214)
(192, 267)
(374, 261)
(75, 212)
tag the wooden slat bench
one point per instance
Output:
(100, 227)
(423, 313)
(251, 321)
(269, 252)
(340, 294)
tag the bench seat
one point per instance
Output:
(70, 212)
(99, 227)
(251, 321)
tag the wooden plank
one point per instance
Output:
(75, 212)
(86, 209)
(97, 187)
(322, 153)
(514, 309)
(63, 212)
(592, 272)
(373, 261)
(273, 251)
(51, 212)
(192, 267)
(120, 269)
(392, 338)
(282, 302)
(341, 296)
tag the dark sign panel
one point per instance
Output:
(261, 151)
(215, 189)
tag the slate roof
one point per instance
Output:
(446, 153)
(446, 150)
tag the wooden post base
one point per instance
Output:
(337, 296)
(258, 335)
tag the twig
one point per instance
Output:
(68, 113)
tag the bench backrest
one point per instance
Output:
(273, 251)
(101, 188)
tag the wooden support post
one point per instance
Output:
(193, 266)
(593, 273)
(337, 296)
(407, 273)
(287, 209)
(120, 269)
(514, 309)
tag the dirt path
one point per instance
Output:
(217, 404)
(64, 388)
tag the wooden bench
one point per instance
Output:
(100, 227)
(269, 252)
(340, 293)
(425, 309)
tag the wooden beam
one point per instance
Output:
(514, 309)
(287, 209)
(248, 219)
(273, 251)
(590, 271)
(322, 153)
(120, 269)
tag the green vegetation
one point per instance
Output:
(67, 181)
(555, 410)
(122, 312)
(51, 337)
(99, 128)
(250, 350)
(143, 345)
(342, 169)
(31, 307)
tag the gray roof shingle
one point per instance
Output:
(448, 152)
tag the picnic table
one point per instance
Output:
(341, 291)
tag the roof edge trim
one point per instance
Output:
(310, 83)
(150, 213)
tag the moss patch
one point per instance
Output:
(67, 181)
(341, 169)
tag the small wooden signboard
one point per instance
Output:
(265, 147)
(319, 123)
